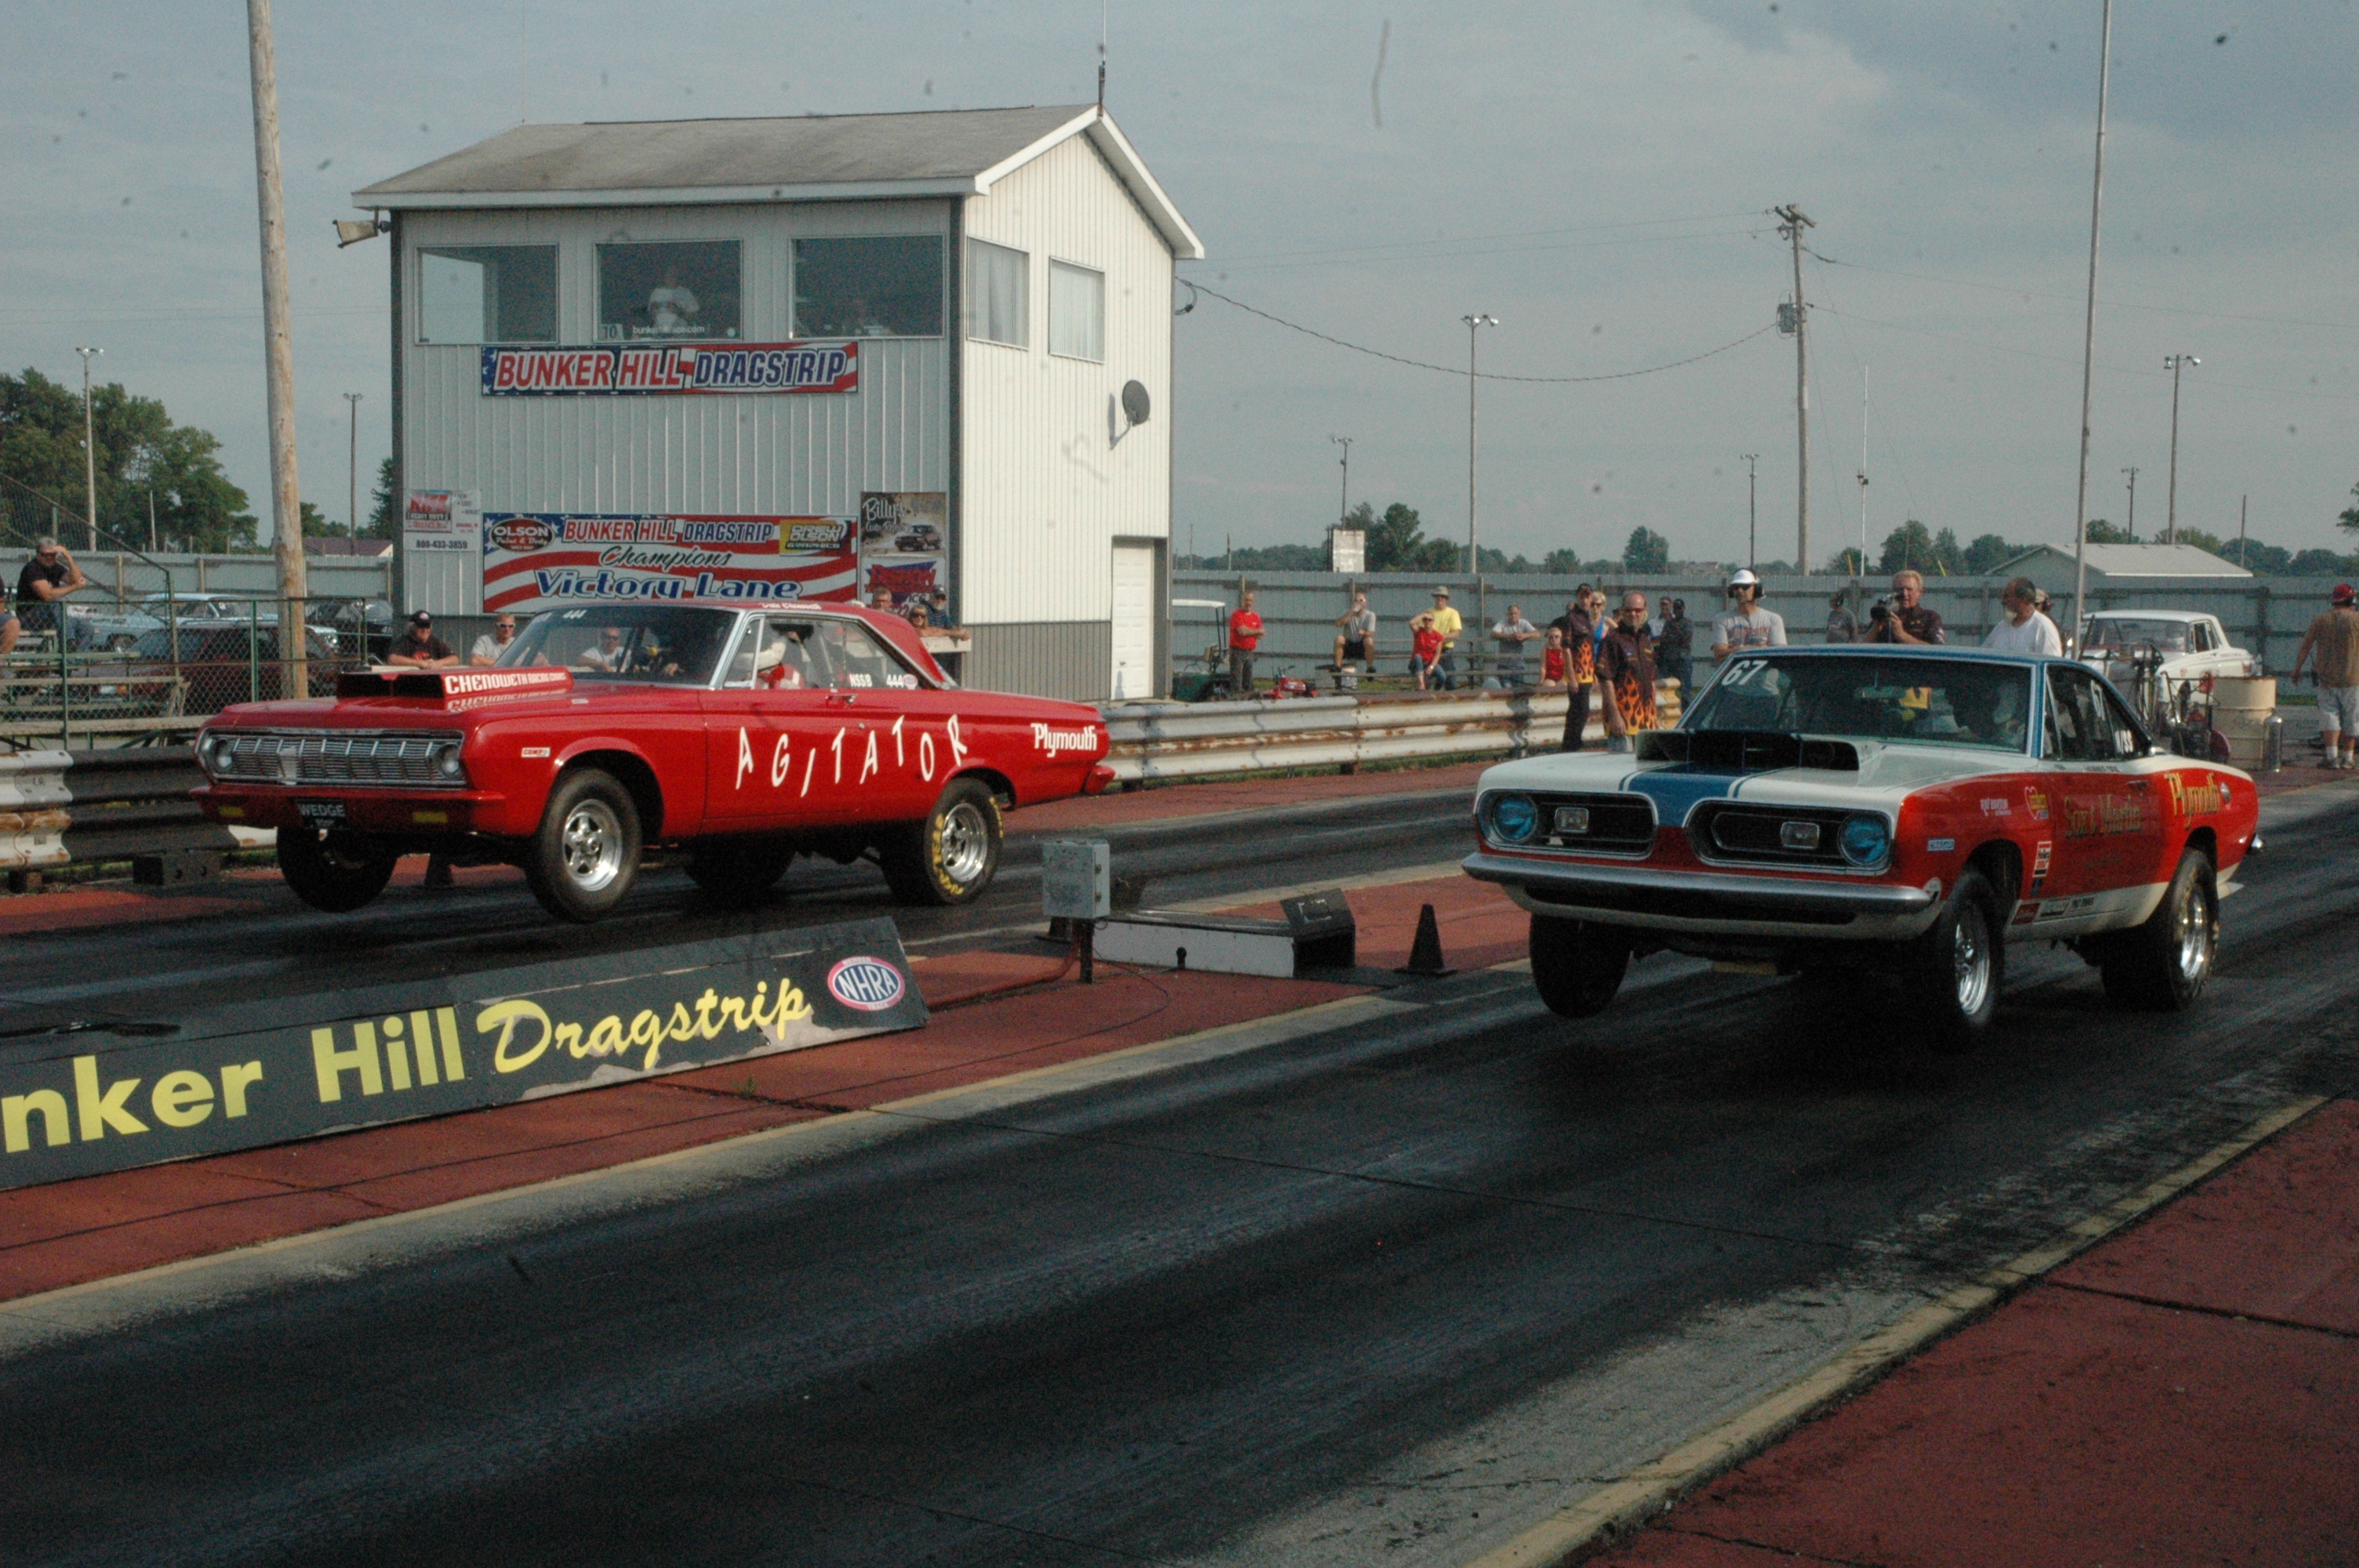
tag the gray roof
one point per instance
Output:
(2135, 560)
(954, 152)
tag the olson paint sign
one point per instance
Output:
(545, 560)
(293, 1068)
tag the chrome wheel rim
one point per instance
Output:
(965, 843)
(2193, 919)
(1969, 952)
(591, 846)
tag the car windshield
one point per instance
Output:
(2122, 634)
(660, 645)
(1934, 702)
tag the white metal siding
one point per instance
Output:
(797, 454)
(1047, 488)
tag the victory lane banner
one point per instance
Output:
(79, 1104)
(545, 560)
(647, 370)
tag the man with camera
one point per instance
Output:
(1904, 618)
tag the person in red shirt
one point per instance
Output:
(1426, 641)
(1244, 636)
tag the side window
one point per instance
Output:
(487, 294)
(882, 286)
(859, 661)
(2199, 638)
(2080, 728)
(998, 288)
(778, 654)
(1076, 312)
(667, 288)
(2128, 738)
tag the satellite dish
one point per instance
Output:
(1135, 404)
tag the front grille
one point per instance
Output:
(322, 757)
(1769, 834)
(1615, 824)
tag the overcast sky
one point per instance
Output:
(1595, 176)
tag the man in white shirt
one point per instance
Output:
(1512, 633)
(1747, 625)
(2025, 630)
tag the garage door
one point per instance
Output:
(1133, 621)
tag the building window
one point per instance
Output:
(487, 294)
(668, 289)
(998, 294)
(1076, 312)
(885, 286)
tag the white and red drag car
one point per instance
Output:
(1912, 809)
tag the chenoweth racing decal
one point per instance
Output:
(542, 560)
(644, 370)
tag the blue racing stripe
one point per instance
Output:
(1675, 790)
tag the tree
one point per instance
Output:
(382, 521)
(139, 455)
(2349, 521)
(2318, 563)
(1396, 544)
(2266, 559)
(2103, 533)
(1645, 551)
(1906, 547)
(2199, 539)
(1949, 556)
(1846, 563)
(1987, 554)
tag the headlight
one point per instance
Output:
(1513, 818)
(446, 761)
(212, 754)
(1865, 840)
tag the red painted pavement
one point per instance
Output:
(2077, 1426)
(77, 909)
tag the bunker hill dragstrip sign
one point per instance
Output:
(544, 560)
(89, 1101)
(645, 370)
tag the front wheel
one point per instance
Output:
(327, 871)
(1577, 967)
(1954, 972)
(736, 872)
(951, 856)
(585, 857)
(2161, 966)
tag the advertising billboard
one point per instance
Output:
(542, 560)
(644, 370)
(904, 543)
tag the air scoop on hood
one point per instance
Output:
(1746, 751)
(456, 688)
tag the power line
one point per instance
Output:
(1476, 239)
(1452, 370)
(2112, 304)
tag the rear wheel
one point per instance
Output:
(585, 857)
(1954, 972)
(2161, 966)
(738, 870)
(951, 856)
(328, 871)
(1577, 967)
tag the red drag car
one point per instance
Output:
(745, 735)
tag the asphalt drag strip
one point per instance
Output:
(1389, 1285)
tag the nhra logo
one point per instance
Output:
(522, 534)
(871, 985)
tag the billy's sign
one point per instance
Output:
(271, 1073)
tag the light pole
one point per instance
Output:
(89, 449)
(352, 471)
(1752, 511)
(1343, 503)
(2132, 471)
(1474, 324)
(2174, 363)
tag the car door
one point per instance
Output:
(767, 729)
(2106, 814)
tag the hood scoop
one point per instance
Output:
(456, 688)
(1746, 751)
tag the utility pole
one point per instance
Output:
(2089, 323)
(1792, 220)
(278, 345)
(1752, 511)
(1473, 555)
(2242, 501)
(352, 471)
(1343, 503)
(2174, 363)
(1863, 482)
(89, 450)
(2132, 471)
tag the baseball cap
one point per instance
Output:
(1441, 593)
(2342, 593)
(1744, 577)
(421, 618)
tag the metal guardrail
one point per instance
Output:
(128, 803)
(1175, 741)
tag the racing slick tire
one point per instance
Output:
(736, 872)
(1577, 967)
(1953, 973)
(585, 857)
(950, 857)
(2161, 966)
(327, 872)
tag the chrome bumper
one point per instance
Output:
(1679, 900)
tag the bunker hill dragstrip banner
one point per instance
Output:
(542, 560)
(272, 1072)
(640, 369)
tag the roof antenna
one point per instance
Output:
(1103, 5)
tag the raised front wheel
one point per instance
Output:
(327, 872)
(585, 857)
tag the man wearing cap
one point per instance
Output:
(1450, 623)
(2025, 630)
(419, 649)
(47, 577)
(1746, 624)
(1843, 626)
(2335, 635)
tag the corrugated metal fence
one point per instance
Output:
(1299, 610)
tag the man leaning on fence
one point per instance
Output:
(419, 649)
(41, 586)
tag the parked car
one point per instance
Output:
(747, 736)
(120, 627)
(1860, 806)
(918, 538)
(219, 664)
(2185, 649)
